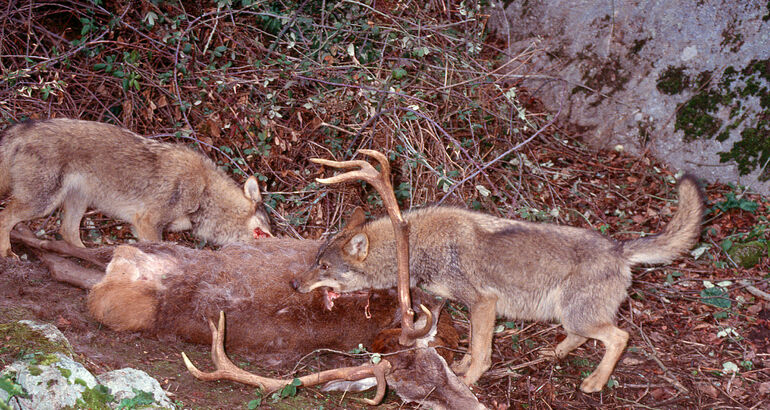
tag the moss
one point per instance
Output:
(729, 75)
(695, 117)
(638, 45)
(65, 372)
(19, 340)
(96, 398)
(748, 254)
(673, 81)
(751, 151)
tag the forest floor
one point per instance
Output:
(261, 88)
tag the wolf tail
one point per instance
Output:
(678, 236)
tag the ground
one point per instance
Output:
(684, 335)
(262, 87)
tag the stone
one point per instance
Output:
(697, 72)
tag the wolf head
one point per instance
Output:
(228, 214)
(342, 263)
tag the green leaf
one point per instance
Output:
(715, 296)
(398, 73)
(749, 206)
(140, 399)
(9, 386)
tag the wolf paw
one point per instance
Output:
(549, 354)
(9, 254)
(593, 383)
(461, 367)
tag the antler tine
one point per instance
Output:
(365, 172)
(413, 333)
(226, 370)
(381, 159)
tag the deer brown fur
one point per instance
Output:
(166, 289)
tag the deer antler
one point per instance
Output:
(225, 369)
(381, 182)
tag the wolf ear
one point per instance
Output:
(251, 189)
(356, 220)
(358, 246)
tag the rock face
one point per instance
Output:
(687, 80)
(54, 380)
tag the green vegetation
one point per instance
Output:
(697, 117)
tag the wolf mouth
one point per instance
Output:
(330, 295)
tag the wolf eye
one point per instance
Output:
(324, 266)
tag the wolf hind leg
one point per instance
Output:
(73, 208)
(572, 342)
(482, 329)
(614, 340)
(15, 212)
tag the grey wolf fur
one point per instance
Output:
(520, 270)
(153, 185)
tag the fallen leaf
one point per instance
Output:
(631, 361)
(708, 389)
(764, 388)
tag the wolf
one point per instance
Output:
(520, 270)
(76, 164)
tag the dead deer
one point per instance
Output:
(165, 289)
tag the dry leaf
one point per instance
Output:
(708, 389)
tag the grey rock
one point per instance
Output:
(55, 380)
(50, 332)
(600, 63)
(50, 386)
(123, 383)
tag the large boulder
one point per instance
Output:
(687, 80)
(50, 378)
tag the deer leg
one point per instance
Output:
(73, 208)
(147, 227)
(64, 270)
(13, 213)
(614, 340)
(482, 329)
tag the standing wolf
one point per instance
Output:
(520, 270)
(153, 185)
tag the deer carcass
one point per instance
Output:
(167, 289)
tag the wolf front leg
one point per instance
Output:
(147, 226)
(482, 329)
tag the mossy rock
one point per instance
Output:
(748, 254)
(20, 338)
